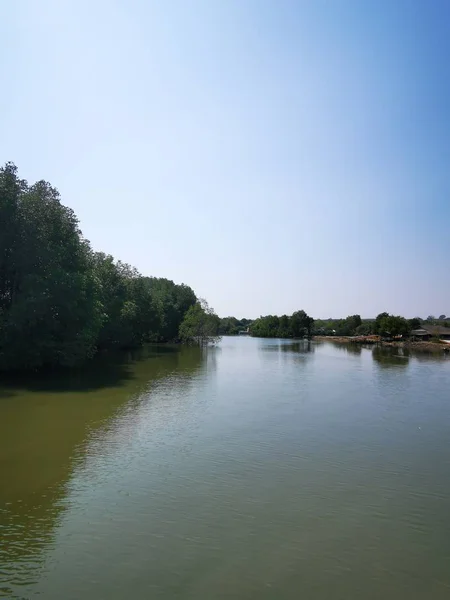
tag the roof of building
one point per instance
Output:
(420, 332)
(436, 329)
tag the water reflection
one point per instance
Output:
(46, 426)
(349, 347)
(298, 467)
(390, 357)
(303, 347)
(430, 357)
(285, 345)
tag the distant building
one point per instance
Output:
(431, 331)
(420, 335)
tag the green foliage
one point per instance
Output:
(392, 326)
(59, 301)
(301, 324)
(200, 325)
(50, 313)
(265, 327)
(349, 325)
(377, 324)
(352, 325)
(233, 326)
(415, 323)
(298, 325)
(284, 327)
(171, 302)
(365, 328)
(325, 326)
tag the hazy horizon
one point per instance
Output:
(274, 156)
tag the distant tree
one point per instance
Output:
(394, 325)
(232, 326)
(268, 327)
(364, 329)
(349, 325)
(415, 323)
(431, 318)
(442, 317)
(301, 324)
(284, 330)
(376, 325)
(200, 324)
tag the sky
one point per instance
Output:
(275, 155)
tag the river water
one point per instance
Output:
(256, 469)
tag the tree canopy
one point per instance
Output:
(233, 326)
(200, 324)
(60, 302)
(299, 324)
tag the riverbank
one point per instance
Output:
(436, 347)
(361, 339)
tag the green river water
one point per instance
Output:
(256, 469)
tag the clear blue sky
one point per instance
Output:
(274, 155)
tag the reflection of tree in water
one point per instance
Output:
(390, 357)
(427, 357)
(349, 347)
(297, 346)
(302, 347)
(46, 423)
(354, 349)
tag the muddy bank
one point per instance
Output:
(361, 339)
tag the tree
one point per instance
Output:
(442, 318)
(50, 309)
(229, 326)
(11, 190)
(284, 329)
(415, 323)
(349, 325)
(232, 325)
(59, 301)
(376, 325)
(364, 329)
(394, 325)
(301, 324)
(267, 326)
(200, 324)
(171, 302)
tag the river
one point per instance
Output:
(265, 469)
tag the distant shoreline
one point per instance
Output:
(374, 339)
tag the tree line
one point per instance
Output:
(299, 324)
(233, 326)
(61, 302)
(384, 324)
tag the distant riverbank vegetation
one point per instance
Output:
(61, 302)
(301, 325)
